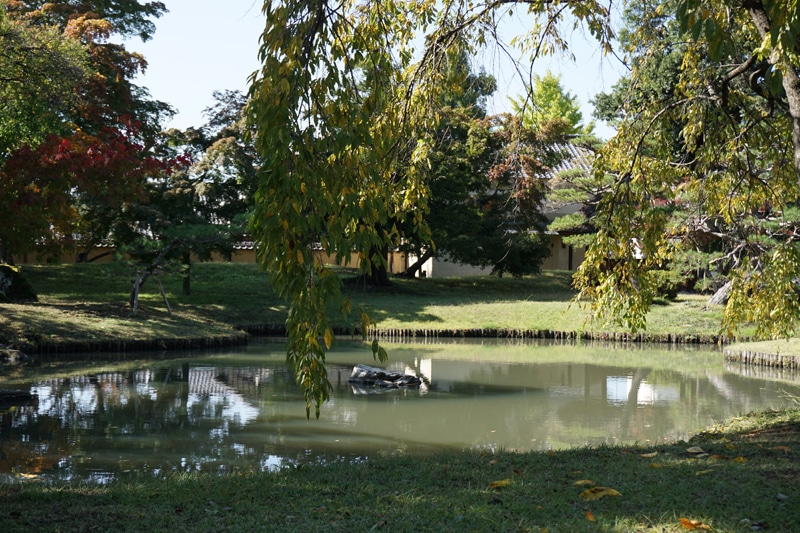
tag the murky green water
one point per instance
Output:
(242, 410)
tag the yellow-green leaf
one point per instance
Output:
(596, 493)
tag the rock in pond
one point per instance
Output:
(16, 397)
(364, 375)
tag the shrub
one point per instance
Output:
(667, 283)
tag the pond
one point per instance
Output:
(241, 410)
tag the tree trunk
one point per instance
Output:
(187, 274)
(378, 275)
(154, 266)
(791, 81)
(721, 296)
(100, 256)
(5, 255)
(412, 270)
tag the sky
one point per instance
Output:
(202, 46)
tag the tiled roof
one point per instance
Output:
(576, 158)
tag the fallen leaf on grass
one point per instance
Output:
(499, 484)
(739, 459)
(694, 524)
(695, 450)
(657, 465)
(596, 493)
(493, 462)
(703, 472)
(518, 472)
(719, 457)
(584, 483)
(590, 516)
(649, 455)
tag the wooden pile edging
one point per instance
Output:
(406, 334)
(773, 360)
(486, 333)
(238, 338)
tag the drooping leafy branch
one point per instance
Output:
(716, 146)
(347, 94)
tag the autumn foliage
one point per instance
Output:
(97, 153)
(41, 186)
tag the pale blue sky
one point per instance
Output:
(205, 45)
(200, 46)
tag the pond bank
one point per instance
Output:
(409, 334)
(239, 338)
(740, 352)
(242, 333)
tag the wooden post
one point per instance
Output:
(136, 294)
(163, 295)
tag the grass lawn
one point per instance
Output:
(88, 302)
(740, 477)
(778, 346)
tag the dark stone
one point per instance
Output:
(16, 397)
(364, 375)
(14, 286)
(13, 357)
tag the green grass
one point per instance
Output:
(88, 302)
(747, 479)
(779, 346)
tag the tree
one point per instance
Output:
(39, 71)
(200, 207)
(548, 107)
(485, 191)
(92, 157)
(229, 164)
(721, 142)
(575, 185)
(693, 264)
(340, 103)
(547, 103)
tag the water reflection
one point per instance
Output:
(243, 410)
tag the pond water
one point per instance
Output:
(242, 410)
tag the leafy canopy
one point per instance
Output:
(547, 102)
(76, 133)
